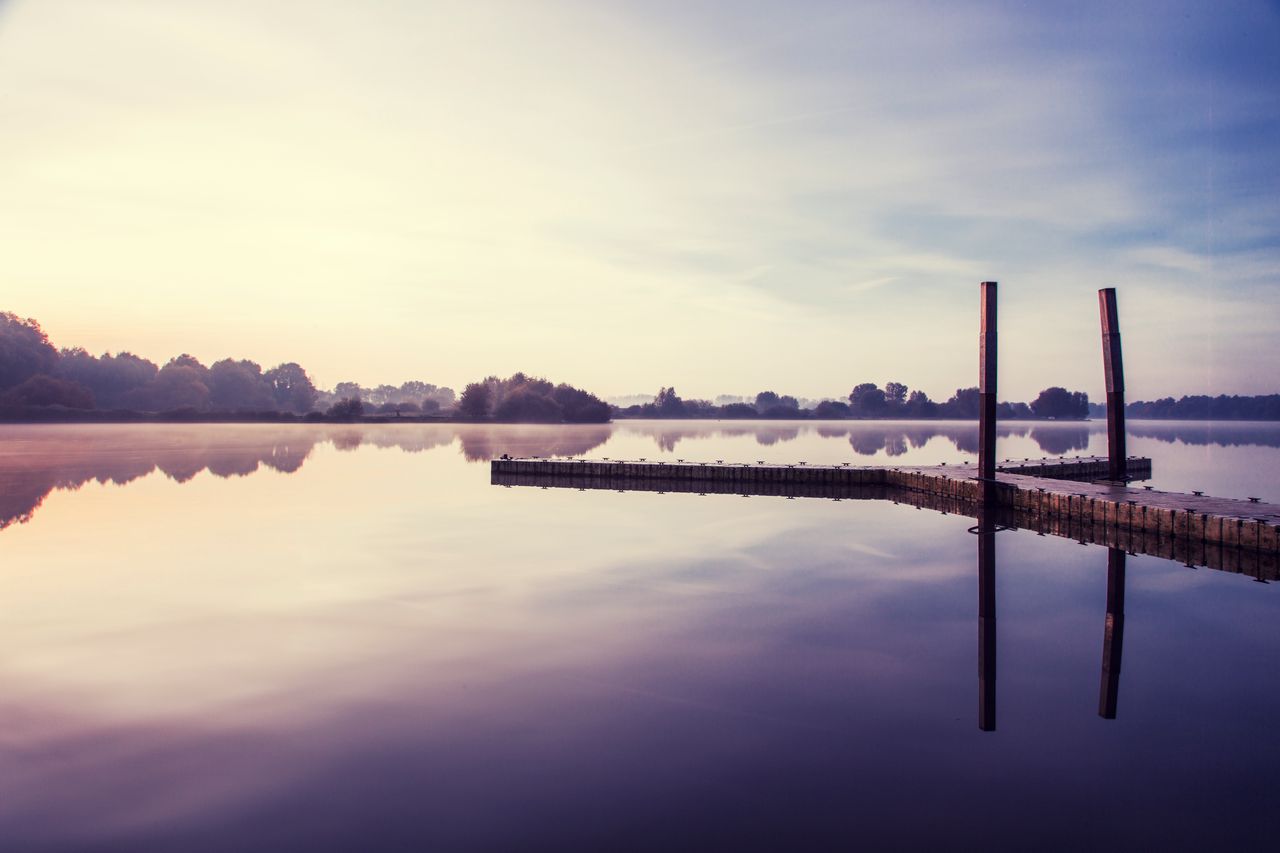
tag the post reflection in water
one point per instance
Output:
(1113, 635)
(986, 531)
(1112, 640)
(989, 523)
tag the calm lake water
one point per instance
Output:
(254, 637)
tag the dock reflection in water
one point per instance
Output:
(991, 521)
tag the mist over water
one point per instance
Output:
(36, 460)
(256, 637)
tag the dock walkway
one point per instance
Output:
(1064, 497)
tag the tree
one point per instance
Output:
(348, 408)
(668, 404)
(895, 394)
(786, 408)
(1057, 402)
(178, 385)
(919, 405)
(348, 390)
(696, 408)
(191, 361)
(126, 371)
(866, 400)
(24, 350)
(766, 400)
(416, 390)
(109, 378)
(45, 390)
(829, 410)
(965, 403)
(291, 387)
(239, 385)
(475, 401)
(580, 406)
(1013, 411)
(444, 397)
(384, 394)
(738, 410)
(526, 405)
(524, 398)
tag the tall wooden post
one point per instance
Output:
(1113, 366)
(1113, 635)
(986, 618)
(987, 392)
(986, 509)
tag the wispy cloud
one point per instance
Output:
(790, 195)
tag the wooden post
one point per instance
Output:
(987, 392)
(986, 508)
(1113, 635)
(986, 619)
(1113, 367)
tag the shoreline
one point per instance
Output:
(93, 416)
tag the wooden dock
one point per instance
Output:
(1089, 499)
(1061, 497)
(1086, 499)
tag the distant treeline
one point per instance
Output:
(867, 400)
(410, 398)
(38, 382)
(1200, 407)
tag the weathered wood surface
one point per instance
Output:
(1113, 373)
(1221, 533)
(987, 351)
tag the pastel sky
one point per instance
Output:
(723, 196)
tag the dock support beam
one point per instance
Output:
(1113, 635)
(1113, 366)
(987, 391)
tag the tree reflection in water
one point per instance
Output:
(35, 460)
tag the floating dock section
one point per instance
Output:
(1063, 497)
(801, 479)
